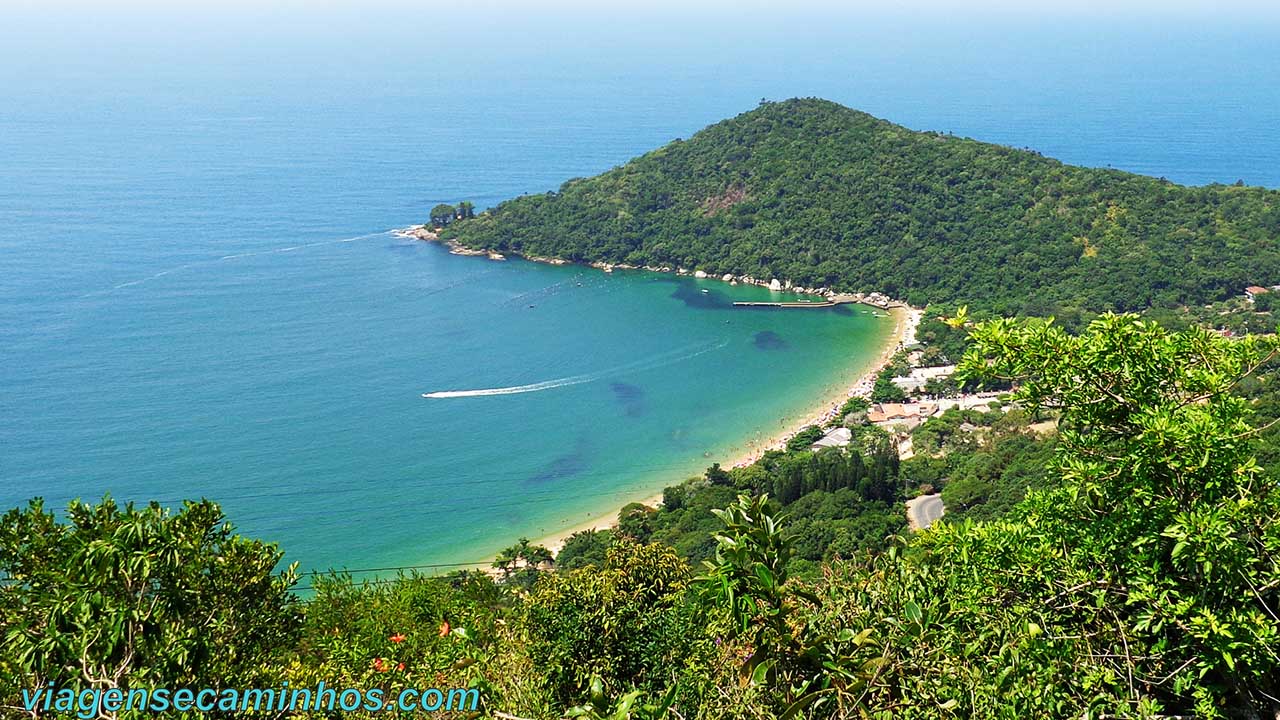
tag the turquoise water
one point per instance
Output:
(198, 295)
(287, 384)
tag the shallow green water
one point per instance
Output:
(289, 386)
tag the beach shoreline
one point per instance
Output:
(872, 299)
(819, 412)
(906, 320)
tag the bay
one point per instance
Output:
(199, 295)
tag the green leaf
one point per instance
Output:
(912, 611)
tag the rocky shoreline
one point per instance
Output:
(875, 299)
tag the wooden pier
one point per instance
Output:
(823, 303)
(791, 304)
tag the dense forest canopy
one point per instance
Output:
(824, 196)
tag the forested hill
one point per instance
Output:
(816, 193)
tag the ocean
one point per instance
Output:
(200, 295)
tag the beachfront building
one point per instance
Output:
(914, 382)
(835, 437)
(903, 416)
(977, 401)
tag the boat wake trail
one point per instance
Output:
(292, 248)
(544, 292)
(663, 359)
(513, 390)
(224, 258)
(464, 280)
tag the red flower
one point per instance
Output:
(400, 667)
(444, 628)
(377, 664)
(397, 638)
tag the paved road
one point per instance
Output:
(924, 511)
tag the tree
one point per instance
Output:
(521, 563)
(965, 492)
(941, 387)
(625, 623)
(1163, 504)
(803, 439)
(1140, 583)
(118, 597)
(802, 665)
(585, 548)
(885, 390)
(673, 496)
(635, 521)
(855, 403)
(716, 475)
(442, 214)
(630, 706)
(466, 210)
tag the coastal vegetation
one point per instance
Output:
(823, 196)
(1136, 578)
(444, 213)
(117, 596)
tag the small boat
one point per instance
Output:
(704, 292)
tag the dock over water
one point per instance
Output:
(823, 303)
(790, 304)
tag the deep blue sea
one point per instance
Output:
(199, 295)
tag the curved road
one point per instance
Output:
(924, 511)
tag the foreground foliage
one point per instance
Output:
(1162, 540)
(118, 596)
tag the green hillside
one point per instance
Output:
(822, 195)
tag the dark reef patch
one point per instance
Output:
(630, 397)
(690, 293)
(769, 340)
(567, 465)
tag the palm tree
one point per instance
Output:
(522, 555)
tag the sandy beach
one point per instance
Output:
(906, 320)
(824, 410)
